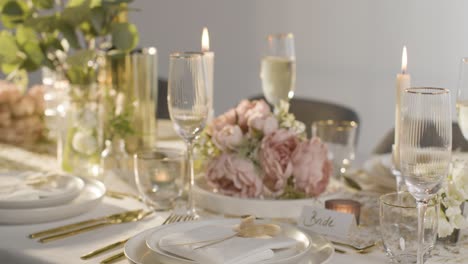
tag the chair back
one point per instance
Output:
(309, 111)
(459, 143)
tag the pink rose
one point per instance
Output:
(247, 109)
(228, 138)
(234, 176)
(264, 123)
(228, 118)
(275, 157)
(37, 93)
(25, 106)
(311, 167)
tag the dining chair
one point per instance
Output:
(162, 112)
(459, 143)
(310, 110)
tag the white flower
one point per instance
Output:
(84, 143)
(460, 178)
(458, 221)
(445, 228)
(86, 119)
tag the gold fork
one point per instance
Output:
(119, 220)
(172, 218)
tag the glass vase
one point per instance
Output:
(130, 96)
(81, 138)
(115, 160)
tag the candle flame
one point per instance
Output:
(404, 60)
(205, 41)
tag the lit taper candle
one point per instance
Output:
(208, 58)
(403, 82)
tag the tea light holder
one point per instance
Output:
(344, 206)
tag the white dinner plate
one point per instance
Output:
(89, 197)
(290, 256)
(61, 189)
(319, 250)
(264, 208)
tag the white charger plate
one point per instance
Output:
(264, 208)
(319, 250)
(89, 198)
(289, 256)
(68, 188)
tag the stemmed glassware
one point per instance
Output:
(278, 69)
(188, 105)
(425, 147)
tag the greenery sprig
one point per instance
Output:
(62, 36)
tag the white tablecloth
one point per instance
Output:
(17, 248)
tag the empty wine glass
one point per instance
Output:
(278, 69)
(188, 105)
(462, 98)
(425, 147)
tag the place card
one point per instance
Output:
(327, 222)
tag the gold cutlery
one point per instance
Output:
(83, 223)
(361, 250)
(129, 217)
(121, 195)
(104, 249)
(173, 218)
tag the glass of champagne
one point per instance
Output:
(278, 69)
(425, 147)
(188, 105)
(462, 98)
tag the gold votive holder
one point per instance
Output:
(345, 206)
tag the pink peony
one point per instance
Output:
(228, 138)
(247, 109)
(228, 118)
(275, 157)
(37, 93)
(9, 92)
(311, 167)
(267, 124)
(234, 176)
(25, 106)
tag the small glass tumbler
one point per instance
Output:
(399, 224)
(340, 137)
(159, 176)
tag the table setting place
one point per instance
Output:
(105, 162)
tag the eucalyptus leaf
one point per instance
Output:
(124, 36)
(9, 68)
(25, 34)
(43, 4)
(116, 2)
(98, 18)
(13, 13)
(8, 49)
(12, 8)
(70, 35)
(34, 52)
(76, 12)
(47, 24)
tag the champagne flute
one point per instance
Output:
(425, 147)
(462, 98)
(188, 105)
(278, 69)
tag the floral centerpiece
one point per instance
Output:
(453, 196)
(252, 152)
(21, 114)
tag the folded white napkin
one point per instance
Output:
(17, 188)
(236, 250)
(379, 172)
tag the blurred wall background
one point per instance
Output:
(347, 52)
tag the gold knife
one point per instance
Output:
(79, 224)
(103, 249)
(113, 258)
